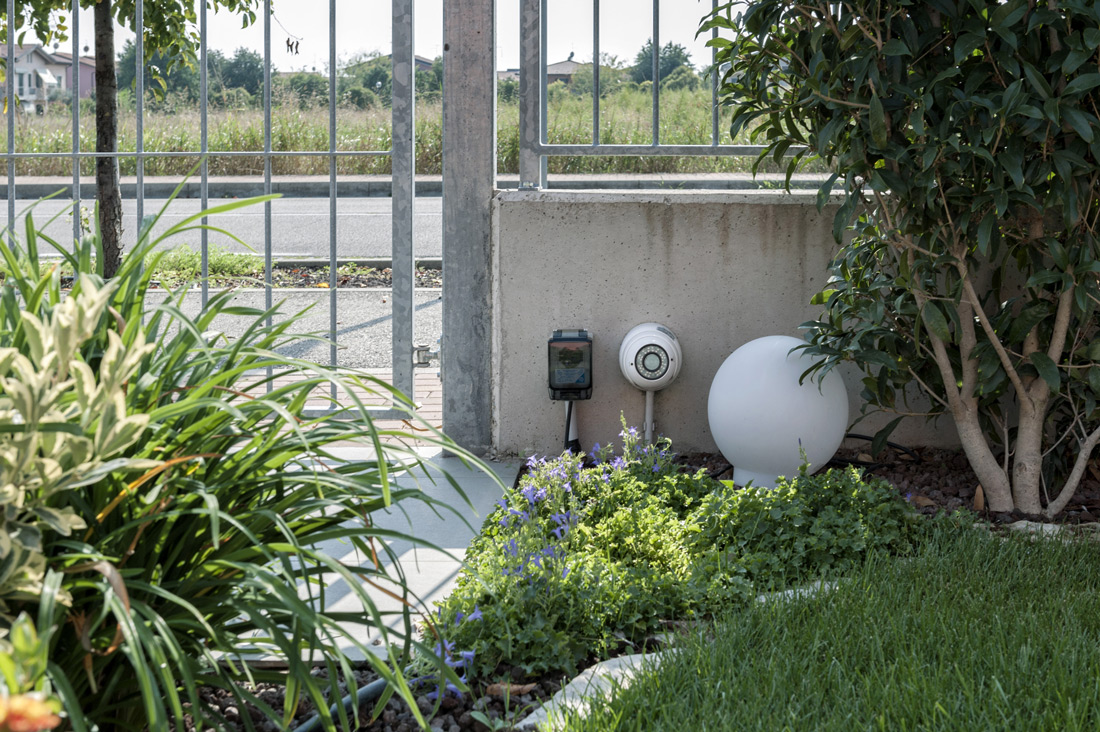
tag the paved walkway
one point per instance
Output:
(431, 557)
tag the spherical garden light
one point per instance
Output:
(763, 420)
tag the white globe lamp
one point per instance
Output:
(762, 419)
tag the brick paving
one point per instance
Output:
(427, 395)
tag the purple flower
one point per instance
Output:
(560, 532)
(564, 572)
(475, 615)
(656, 468)
(511, 548)
(533, 461)
(618, 463)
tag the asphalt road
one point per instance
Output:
(299, 226)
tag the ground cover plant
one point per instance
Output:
(163, 503)
(899, 644)
(965, 134)
(586, 559)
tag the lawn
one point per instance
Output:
(975, 632)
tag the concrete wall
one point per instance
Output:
(717, 268)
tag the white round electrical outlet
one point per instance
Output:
(650, 356)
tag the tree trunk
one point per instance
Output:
(106, 141)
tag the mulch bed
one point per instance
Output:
(318, 277)
(934, 479)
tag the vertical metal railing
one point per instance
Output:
(533, 144)
(268, 275)
(204, 150)
(9, 78)
(403, 160)
(139, 100)
(655, 47)
(332, 184)
(402, 153)
(74, 90)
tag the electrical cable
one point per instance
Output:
(573, 446)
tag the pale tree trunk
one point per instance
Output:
(106, 140)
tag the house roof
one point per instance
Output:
(24, 49)
(67, 58)
(565, 68)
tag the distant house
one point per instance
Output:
(39, 72)
(561, 71)
(87, 72)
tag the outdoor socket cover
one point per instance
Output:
(570, 364)
(650, 356)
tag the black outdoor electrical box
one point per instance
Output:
(570, 364)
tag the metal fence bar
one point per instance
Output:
(714, 81)
(402, 107)
(595, 72)
(74, 90)
(332, 187)
(139, 80)
(656, 48)
(9, 78)
(534, 146)
(268, 294)
(204, 146)
(531, 89)
(543, 95)
(685, 150)
(225, 153)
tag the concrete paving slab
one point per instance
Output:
(597, 681)
(430, 571)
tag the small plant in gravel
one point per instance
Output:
(588, 555)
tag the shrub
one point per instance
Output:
(965, 134)
(580, 562)
(166, 500)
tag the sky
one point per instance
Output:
(363, 26)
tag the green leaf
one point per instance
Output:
(1082, 83)
(895, 47)
(985, 233)
(881, 437)
(935, 322)
(1047, 369)
(1094, 379)
(878, 122)
(1079, 121)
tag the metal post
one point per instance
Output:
(714, 81)
(595, 72)
(74, 90)
(204, 147)
(402, 107)
(267, 170)
(139, 93)
(469, 178)
(10, 79)
(332, 187)
(531, 91)
(656, 72)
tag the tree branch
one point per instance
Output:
(1074, 479)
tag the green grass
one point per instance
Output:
(974, 633)
(625, 118)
